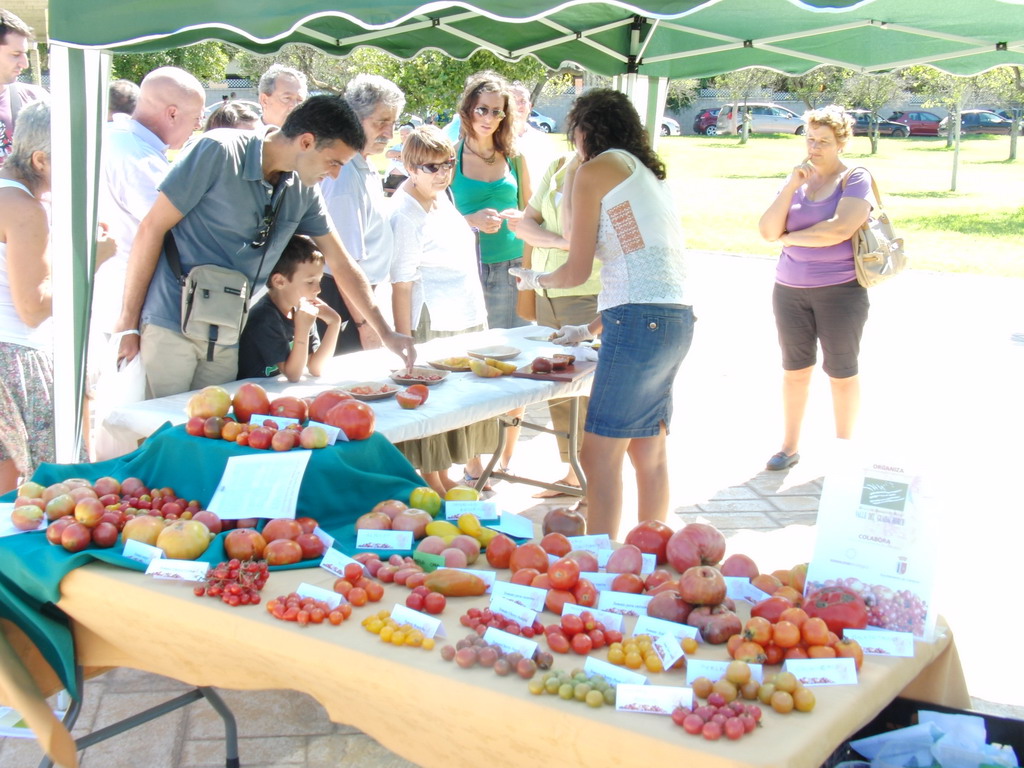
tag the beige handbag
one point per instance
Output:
(877, 251)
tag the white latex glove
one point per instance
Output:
(526, 279)
(572, 334)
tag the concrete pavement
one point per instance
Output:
(942, 367)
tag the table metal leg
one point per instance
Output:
(230, 727)
(572, 436)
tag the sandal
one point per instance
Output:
(468, 479)
(550, 493)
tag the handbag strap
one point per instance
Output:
(874, 186)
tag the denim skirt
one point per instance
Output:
(642, 347)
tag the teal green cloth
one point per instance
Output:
(340, 484)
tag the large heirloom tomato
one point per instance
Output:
(839, 607)
(352, 417)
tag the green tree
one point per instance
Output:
(872, 92)
(743, 84)
(681, 93)
(432, 81)
(1006, 86)
(819, 87)
(206, 61)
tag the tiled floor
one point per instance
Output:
(920, 386)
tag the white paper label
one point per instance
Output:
(332, 598)
(651, 699)
(180, 570)
(626, 603)
(140, 552)
(511, 643)
(712, 670)
(484, 510)
(880, 642)
(602, 581)
(335, 562)
(593, 543)
(617, 675)
(332, 432)
(373, 539)
(740, 588)
(823, 671)
(430, 626)
(520, 614)
(530, 597)
(268, 482)
(324, 536)
(648, 625)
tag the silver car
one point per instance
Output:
(764, 118)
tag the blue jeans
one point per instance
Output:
(500, 294)
(642, 347)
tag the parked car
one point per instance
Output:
(978, 121)
(919, 123)
(670, 127)
(253, 105)
(1008, 114)
(541, 122)
(864, 121)
(706, 122)
(764, 118)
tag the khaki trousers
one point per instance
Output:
(175, 363)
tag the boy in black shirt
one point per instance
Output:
(287, 312)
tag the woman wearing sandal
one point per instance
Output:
(817, 296)
(620, 211)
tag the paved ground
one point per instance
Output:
(942, 365)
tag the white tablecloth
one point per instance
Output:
(461, 399)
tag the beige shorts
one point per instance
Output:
(175, 363)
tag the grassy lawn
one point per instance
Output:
(722, 188)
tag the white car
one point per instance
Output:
(670, 127)
(764, 118)
(541, 122)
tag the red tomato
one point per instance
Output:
(409, 400)
(585, 593)
(628, 582)
(771, 608)
(420, 390)
(557, 598)
(572, 624)
(651, 537)
(323, 403)
(558, 642)
(249, 399)
(434, 602)
(352, 417)
(288, 407)
(841, 608)
(564, 574)
(582, 643)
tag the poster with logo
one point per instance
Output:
(877, 529)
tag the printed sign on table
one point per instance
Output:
(876, 535)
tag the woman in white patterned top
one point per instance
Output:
(619, 210)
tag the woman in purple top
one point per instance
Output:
(817, 296)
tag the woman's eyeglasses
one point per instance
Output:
(484, 111)
(437, 167)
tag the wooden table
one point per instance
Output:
(436, 714)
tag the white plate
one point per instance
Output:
(495, 353)
(428, 376)
(388, 390)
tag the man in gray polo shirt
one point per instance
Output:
(234, 199)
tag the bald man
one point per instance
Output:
(169, 109)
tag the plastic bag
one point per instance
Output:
(118, 384)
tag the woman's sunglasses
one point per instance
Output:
(484, 111)
(436, 167)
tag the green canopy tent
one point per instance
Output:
(643, 43)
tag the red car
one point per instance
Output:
(706, 122)
(920, 123)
